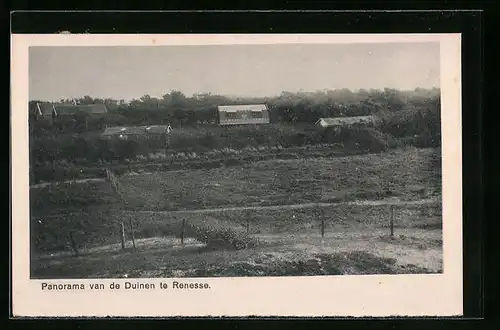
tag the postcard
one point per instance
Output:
(236, 175)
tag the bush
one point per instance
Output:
(219, 234)
(420, 126)
(368, 139)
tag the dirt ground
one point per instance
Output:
(301, 254)
(282, 202)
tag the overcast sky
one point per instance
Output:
(243, 70)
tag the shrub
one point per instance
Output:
(368, 139)
(219, 234)
(420, 126)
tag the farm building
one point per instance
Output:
(44, 110)
(50, 111)
(137, 133)
(346, 122)
(243, 114)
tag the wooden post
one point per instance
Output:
(116, 187)
(167, 143)
(392, 220)
(248, 225)
(122, 236)
(73, 244)
(322, 227)
(132, 232)
(182, 231)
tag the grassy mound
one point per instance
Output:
(344, 263)
(219, 234)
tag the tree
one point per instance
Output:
(145, 98)
(178, 100)
(135, 104)
(85, 100)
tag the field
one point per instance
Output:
(409, 174)
(276, 205)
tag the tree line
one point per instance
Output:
(178, 110)
(404, 116)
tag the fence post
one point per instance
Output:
(73, 244)
(132, 232)
(322, 227)
(122, 236)
(248, 225)
(392, 220)
(116, 187)
(182, 231)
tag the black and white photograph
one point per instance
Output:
(235, 160)
(210, 169)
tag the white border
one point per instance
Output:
(373, 295)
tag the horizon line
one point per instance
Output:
(233, 96)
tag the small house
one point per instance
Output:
(93, 110)
(138, 133)
(248, 114)
(43, 111)
(337, 123)
(51, 111)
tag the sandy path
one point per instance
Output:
(410, 251)
(301, 206)
(47, 184)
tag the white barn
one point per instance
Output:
(346, 122)
(246, 114)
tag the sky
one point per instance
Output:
(235, 70)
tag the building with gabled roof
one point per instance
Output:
(343, 122)
(245, 114)
(44, 109)
(49, 111)
(71, 109)
(154, 132)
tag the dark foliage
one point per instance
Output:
(410, 117)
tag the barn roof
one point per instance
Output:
(121, 130)
(44, 109)
(336, 121)
(71, 109)
(135, 130)
(243, 107)
(65, 109)
(155, 129)
(68, 109)
(93, 109)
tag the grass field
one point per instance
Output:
(286, 182)
(288, 239)
(97, 227)
(409, 174)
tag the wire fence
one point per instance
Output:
(234, 228)
(92, 229)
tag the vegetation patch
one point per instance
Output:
(61, 149)
(220, 234)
